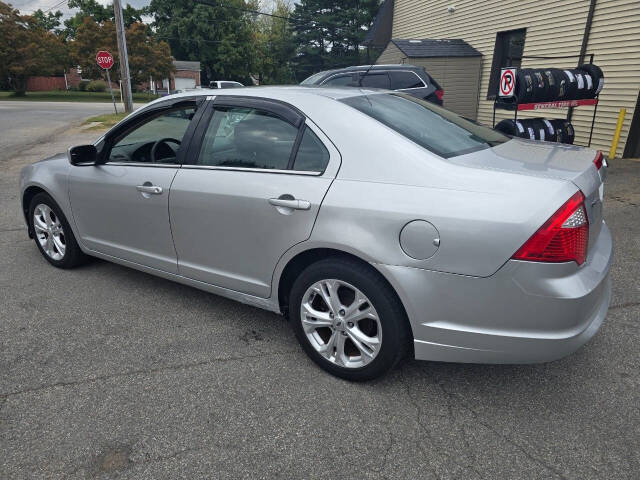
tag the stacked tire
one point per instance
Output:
(552, 130)
(554, 84)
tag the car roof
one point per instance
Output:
(284, 93)
(362, 68)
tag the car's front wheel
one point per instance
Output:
(348, 319)
(52, 233)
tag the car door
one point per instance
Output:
(121, 204)
(257, 176)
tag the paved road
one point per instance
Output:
(110, 373)
(25, 123)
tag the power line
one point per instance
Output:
(211, 3)
(51, 8)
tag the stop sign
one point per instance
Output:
(104, 59)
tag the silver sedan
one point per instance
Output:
(382, 226)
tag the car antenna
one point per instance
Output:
(366, 72)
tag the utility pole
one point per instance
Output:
(124, 59)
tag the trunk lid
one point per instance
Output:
(548, 160)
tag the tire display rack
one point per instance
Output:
(518, 107)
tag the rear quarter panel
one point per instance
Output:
(478, 231)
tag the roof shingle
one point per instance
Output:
(427, 47)
(185, 65)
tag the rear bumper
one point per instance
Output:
(526, 312)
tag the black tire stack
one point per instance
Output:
(553, 84)
(553, 130)
(536, 85)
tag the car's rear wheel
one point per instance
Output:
(348, 319)
(52, 233)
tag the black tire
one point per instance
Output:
(508, 127)
(597, 78)
(558, 126)
(73, 256)
(552, 85)
(570, 86)
(396, 333)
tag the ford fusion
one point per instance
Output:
(381, 225)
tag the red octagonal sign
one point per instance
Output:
(104, 59)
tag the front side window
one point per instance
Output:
(402, 80)
(507, 53)
(247, 138)
(430, 126)
(156, 140)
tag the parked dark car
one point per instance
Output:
(405, 78)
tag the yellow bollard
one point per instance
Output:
(616, 134)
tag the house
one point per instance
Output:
(541, 34)
(186, 77)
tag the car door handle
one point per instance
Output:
(290, 203)
(151, 189)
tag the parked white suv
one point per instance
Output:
(225, 84)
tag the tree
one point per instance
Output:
(147, 56)
(275, 45)
(50, 21)
(329, 33)
(90, 38)
(99, 13)
(222, 39)
(31, 51)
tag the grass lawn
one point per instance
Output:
(105, 121)
(70, 96)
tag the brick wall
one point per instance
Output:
(39, 84)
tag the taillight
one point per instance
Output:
(598, 161)
(563, 238)
(440, 94)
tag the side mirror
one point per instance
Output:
(83, 155)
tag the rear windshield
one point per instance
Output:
(430, 126)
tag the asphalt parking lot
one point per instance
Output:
(111, 373)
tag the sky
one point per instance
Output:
(30, 6)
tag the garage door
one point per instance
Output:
(185, 83)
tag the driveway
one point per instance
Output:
(26, 123)
(111, 373)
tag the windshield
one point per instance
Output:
(430, 126)
(312, 79)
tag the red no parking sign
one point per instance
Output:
(507, 82)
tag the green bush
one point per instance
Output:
(82, 86)
(96, 86)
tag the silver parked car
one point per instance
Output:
(380, 224)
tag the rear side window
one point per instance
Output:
(342, 81)
(312, 155)
(376, 80)
(247, 138)
(430, 126)
(401, 80)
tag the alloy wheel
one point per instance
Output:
(49, 231)
(341, 323)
